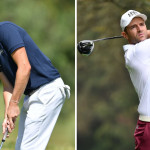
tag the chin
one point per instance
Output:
(137, 40)
(142, 39)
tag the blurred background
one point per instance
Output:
(107, 102)
(51, 24)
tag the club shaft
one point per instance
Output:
(5, 135)
(1, 145)
(4, 138)
(108, 38)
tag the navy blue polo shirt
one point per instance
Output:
(13, 37)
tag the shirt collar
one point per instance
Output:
(127, 47)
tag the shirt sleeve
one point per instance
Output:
(10, 37)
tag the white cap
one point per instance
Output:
(128, 16)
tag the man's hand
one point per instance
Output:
(12, 113)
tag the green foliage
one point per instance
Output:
(107, 102)
(51, 26)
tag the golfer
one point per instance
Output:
(24, 69)
(137, 58)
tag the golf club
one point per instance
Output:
(86, 47)
(4, 138)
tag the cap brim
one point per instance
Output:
(144, 17)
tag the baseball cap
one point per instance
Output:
(128, 16)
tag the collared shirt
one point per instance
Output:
(13, 37)
(137, 58)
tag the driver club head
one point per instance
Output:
(85, 47)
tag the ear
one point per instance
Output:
(124, 34)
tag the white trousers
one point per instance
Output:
(39, 115)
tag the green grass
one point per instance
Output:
(63, 136)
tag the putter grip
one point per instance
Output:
(5, 135)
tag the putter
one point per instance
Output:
(4, 138)
(86, 47)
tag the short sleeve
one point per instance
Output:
(10, 37)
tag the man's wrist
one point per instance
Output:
(14, 101)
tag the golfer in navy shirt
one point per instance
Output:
(24, 69)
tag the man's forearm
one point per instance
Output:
(7, 91)
(22, 77)
(7, 94)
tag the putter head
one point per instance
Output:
(85, 47)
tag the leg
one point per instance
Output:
(43, 110)
(21, 128)
(142, 136)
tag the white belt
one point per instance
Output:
(144, 118)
